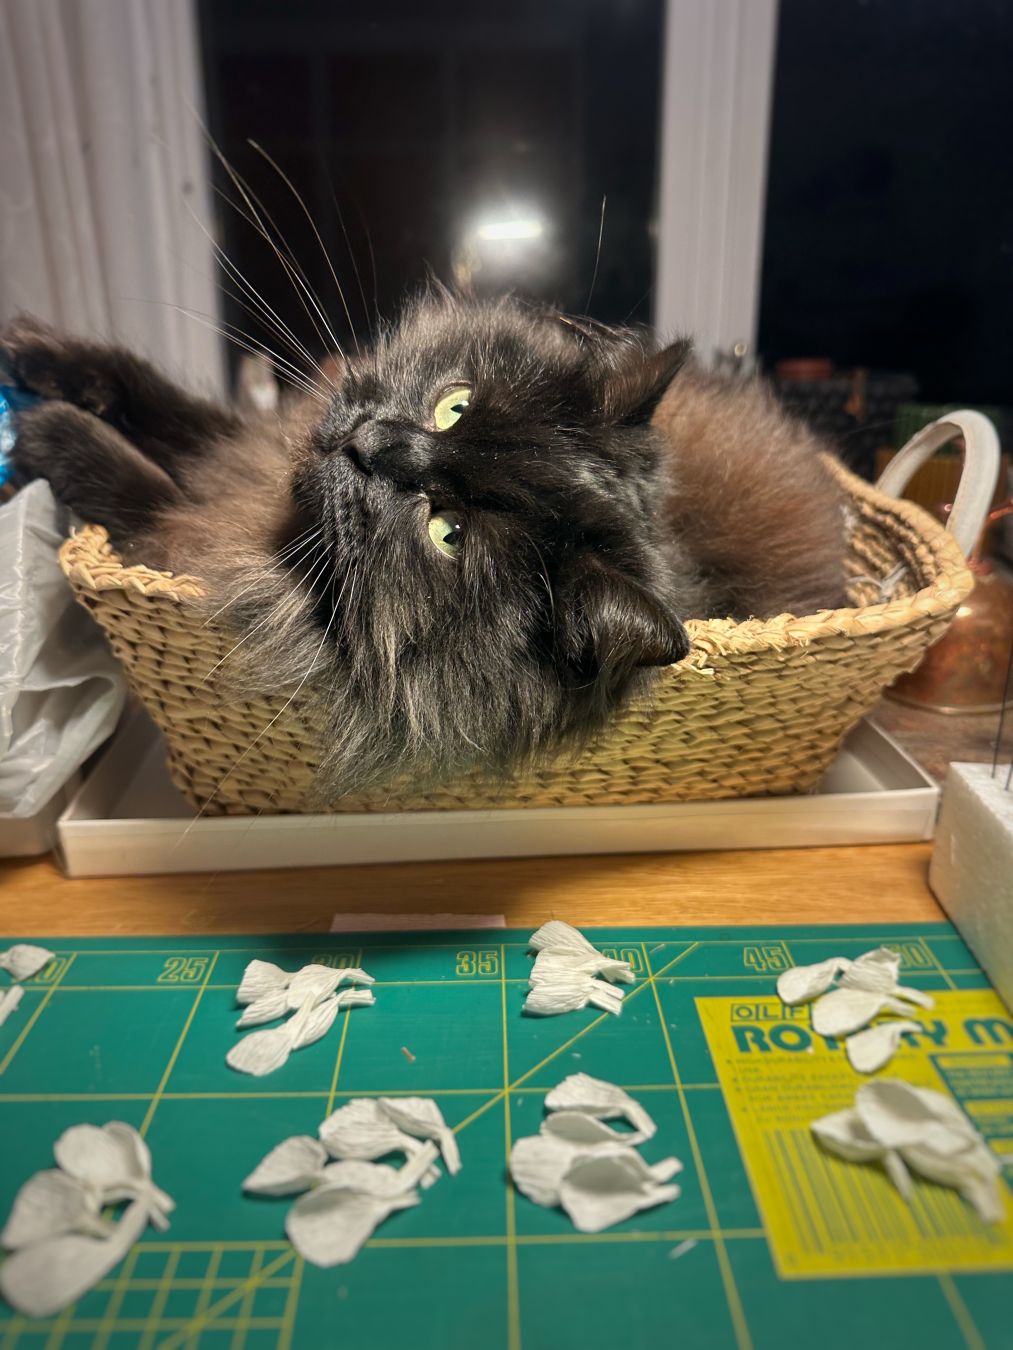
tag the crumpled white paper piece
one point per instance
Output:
(293, 1166)
(261, 1052)
(800, 984)
(262, 978)
(568, 991)
(581, 1164)
(903, 1127)
(363, 1129)
(538, 1163)
(421, 1117)
(609, 1185)
(875, 971)
(867, 987)
(380, 1179)
(116, 1161)
(569, 973)
(23, 961)
(51, 1203)
(329, 1226)
(563, 940)
(301, 1163)
(267, 992)
(844, 1011)
(39, 1281)
(259, 979)
(60, 1245)
(574, 1127)
(322, 981)
(343, 1202)
(9, 1000)
(871, 1049)
(604, 1101)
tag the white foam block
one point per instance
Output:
(972, 867)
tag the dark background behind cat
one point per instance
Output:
(889, 211)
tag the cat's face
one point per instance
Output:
(489, 487)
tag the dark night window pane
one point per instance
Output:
(477, 140)
(889, 226)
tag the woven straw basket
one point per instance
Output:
(756, 708)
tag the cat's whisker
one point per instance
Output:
(372, 262)
(291, 374)
(308, 382)
(597, 256)
(283, 557)
(316, 232)
(289, 263)
(237, 275)
(291, 268)
(272, 615)
(269, 316)
(351, 256)
(281, 711)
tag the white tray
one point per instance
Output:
(129, 820)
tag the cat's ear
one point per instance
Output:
(633, 381)
(609, 624)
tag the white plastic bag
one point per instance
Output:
(61, 689)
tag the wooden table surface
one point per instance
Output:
(876, 883)
(873, 883)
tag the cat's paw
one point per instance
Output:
(57, 367)
(50, 441)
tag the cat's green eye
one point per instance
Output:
(447, 533)
(451, 406)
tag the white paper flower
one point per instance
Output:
(868, 986)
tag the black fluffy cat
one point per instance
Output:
(473, 551)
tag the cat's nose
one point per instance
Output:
(383, 448)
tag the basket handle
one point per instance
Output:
(977, 480)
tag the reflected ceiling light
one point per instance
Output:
(525, 227)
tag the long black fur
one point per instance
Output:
(310, 529)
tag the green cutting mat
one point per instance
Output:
(778, 1246)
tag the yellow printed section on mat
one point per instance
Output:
(824, 1216)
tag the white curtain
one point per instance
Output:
(103, 168)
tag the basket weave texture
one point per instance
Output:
(756, 708)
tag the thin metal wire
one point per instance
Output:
(1006, 691)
